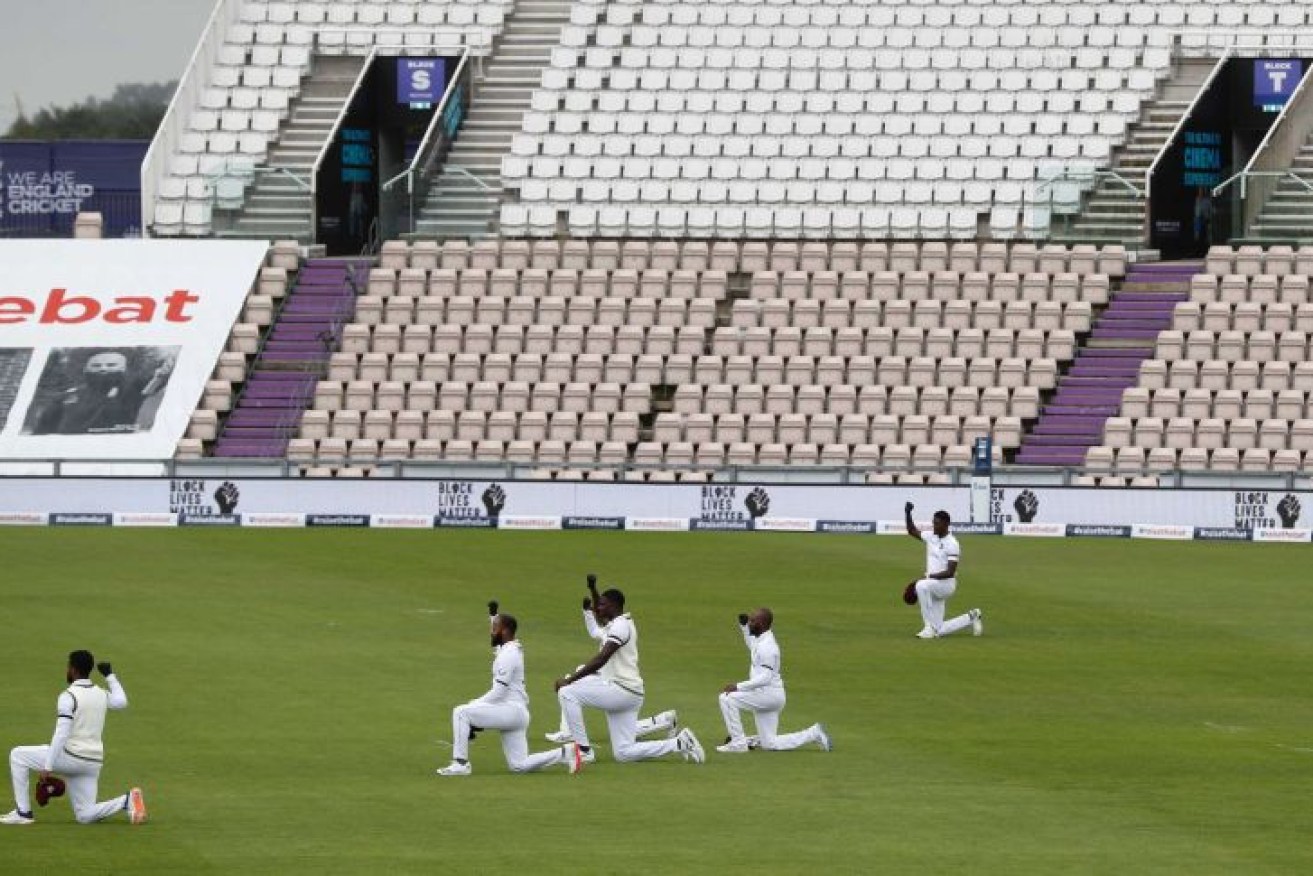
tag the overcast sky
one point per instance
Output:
(59, 52)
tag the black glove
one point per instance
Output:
(474, 731)
(105, 669)
(588, 604)
(492, 607)
(743, 620)
(592, 582)
(907, 509)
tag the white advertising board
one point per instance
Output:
(470, 504)
(105, 345)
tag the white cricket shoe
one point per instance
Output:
(927, 633)
(455, 768)
(670, 720)
(977, 621)
(136, 806)
(574, 758)
(734, 746)
(15, 818)
(560, 737)
(823, 738)
(688, 745)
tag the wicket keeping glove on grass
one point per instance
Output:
(909, 594)
(51, 787)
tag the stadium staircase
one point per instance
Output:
(278, 204)
(465, 199)
(292, 359)
(1287, 217)
(1113, 212)
(1108, 363)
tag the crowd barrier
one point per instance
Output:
(1033, 512)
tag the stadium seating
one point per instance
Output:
(795, 238)
(751, 119)
(1228, 388)
(839, 120)
(578, 353)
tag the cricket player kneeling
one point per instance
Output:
(76, 750)
(762, 694)
(504, 708)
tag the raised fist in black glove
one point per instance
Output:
(907, 509)
(592, 581)
(492, 608)
(757, 503)
(105, 669)
(226, 497)
(1026, 506)
(1288, 509)
(743, 620)
(494, 499)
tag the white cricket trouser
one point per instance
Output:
(81, 778)
(512, 720)
(932, 595)
(621, 709)
(765, 704)
(643, 727)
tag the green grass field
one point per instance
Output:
(1134, 707)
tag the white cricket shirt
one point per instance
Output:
(622, 668)
(764, 671)
(939, 552)
(81, 719)
(507, 676)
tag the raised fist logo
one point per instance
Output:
(1026, 506)
(1288, 509)
(494, 499)
(757, 503)
(227, 496)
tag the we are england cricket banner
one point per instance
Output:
(105, 345)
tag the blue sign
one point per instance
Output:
(43, 186)
(420, 80)
(982, 457)
(1275, 82)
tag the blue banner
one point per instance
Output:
(592, 523)
(81, 519)
(1092, 531)
(846, 527)
(337, 520)
(43, 186)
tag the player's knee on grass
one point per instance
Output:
(624, 754)
(84, 814)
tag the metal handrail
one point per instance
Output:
(460, 171)
(229, 170)
(1243, 175)
(1078, 176)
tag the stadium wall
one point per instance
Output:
(1035, 512)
